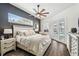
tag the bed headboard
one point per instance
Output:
(20, 27)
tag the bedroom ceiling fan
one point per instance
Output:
(39, 12)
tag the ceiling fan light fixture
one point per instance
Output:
(40, 13)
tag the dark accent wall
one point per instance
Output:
(6, 8)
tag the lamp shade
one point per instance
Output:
(7, 31)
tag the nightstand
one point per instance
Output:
(7, 45)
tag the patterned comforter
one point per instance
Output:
(36, 43)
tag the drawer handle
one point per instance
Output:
(9, 42)
(8, 47)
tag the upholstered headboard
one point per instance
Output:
(19, 27)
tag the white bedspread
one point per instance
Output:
(35, 43)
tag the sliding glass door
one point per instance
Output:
(59, 30)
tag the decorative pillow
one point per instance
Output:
(20, 32)
(32, 32)
(25, 32)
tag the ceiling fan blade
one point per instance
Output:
(35, 10)
(42, 10)
(36, 14)
(46, 13)
(43, 15)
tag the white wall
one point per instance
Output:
(70, 15)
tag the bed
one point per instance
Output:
(30, 41)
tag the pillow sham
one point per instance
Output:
(25, 32)
(32, 32)
(19, 33)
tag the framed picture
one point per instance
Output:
(12, 18)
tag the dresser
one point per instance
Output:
(7, 45)
(74, 44)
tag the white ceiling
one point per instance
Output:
(52, 8)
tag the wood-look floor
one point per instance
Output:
(55, 49)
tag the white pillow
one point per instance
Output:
(25, 32)
(32, 32)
